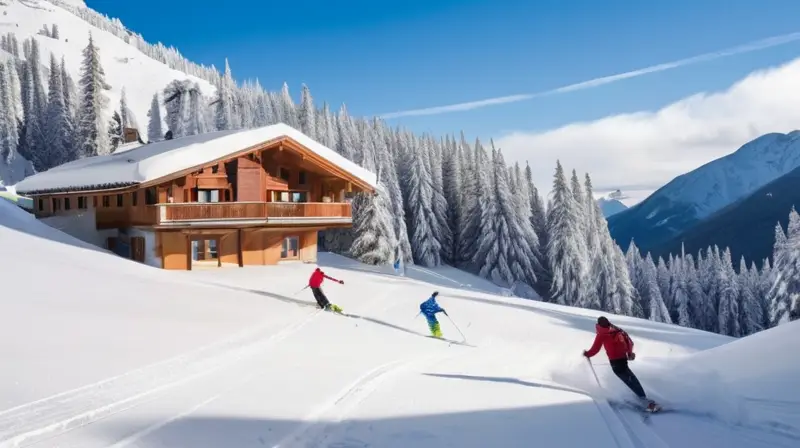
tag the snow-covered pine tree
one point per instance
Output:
(58, 139)
(326, 129)
(91, 124)
(115, 135)
(539, 223)
(9, 134)
(451, 180)
(288, 108)
(16, 86)
(155, 130)
(469, 229)
(751, 313)
(566, 245)
(635, 262)
(655, 308)
(345, 143)
(306, 114)
(54, 33)
(419, 209)
(123, 110)
(480, 219)
(663, 277)
(679, 293)
(766, 279)
(728, 297)
(224, 101)
(439, 202)
(70, 91)
(505, 249)
(786, 289)
(33, 93)
(386, 167)
(628, 295)
(602, 272)
(374, 241)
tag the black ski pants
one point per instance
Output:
(623, 372)
(322, 301)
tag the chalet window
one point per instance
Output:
(120, 200)
(207, 195)
(299, 196)
(135, 198)
(67, 204)
(41, 205)
(214, 169)
(290, 248)
(150, 196)
(284, 174)
(56, 204)
(81, 202)
(106, 201)
(301, 178)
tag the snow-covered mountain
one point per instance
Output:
(694, 196)
(126, 67)
(221, 358)
(611, 203)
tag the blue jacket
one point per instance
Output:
(429, 307)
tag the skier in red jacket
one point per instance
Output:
(315, 283)
(619, 348)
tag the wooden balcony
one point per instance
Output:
(238, 213)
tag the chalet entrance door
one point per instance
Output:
(205, 251)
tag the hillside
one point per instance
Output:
(124, 65)
(238, 357)
(694, 196)
(746, 226)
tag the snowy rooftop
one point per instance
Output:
(156, 160)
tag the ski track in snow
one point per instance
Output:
(69, 410)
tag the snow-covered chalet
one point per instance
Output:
(244, 197)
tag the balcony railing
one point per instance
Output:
(257, 212)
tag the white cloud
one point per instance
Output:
(645, 150)
(596, 82)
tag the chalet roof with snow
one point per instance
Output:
(155, 161)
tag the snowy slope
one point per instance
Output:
(693, 196)
(124, 65)
(100, 351)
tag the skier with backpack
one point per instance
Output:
(429, 308)
(619, 348)
(315, 283)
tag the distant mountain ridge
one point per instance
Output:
(747, 226)
(696, 195)
(611, 203)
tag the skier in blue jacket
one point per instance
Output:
(429, 308)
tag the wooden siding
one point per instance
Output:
(175, 250)
(229, 248)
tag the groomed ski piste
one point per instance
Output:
(99, 351)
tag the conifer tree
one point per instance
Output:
(91, 125)
(155, 130)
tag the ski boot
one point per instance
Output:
(334, 308)
(652, 406)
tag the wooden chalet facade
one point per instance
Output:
(246, 205)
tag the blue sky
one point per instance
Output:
(382, 57)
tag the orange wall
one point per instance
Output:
(174, 250)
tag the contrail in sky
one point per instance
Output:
(740, 49)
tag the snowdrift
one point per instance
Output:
(100, 351)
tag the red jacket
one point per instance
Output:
(616, 347)
(317, 277)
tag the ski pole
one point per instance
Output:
(298, 292)
(593, 372)
(454, 324)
